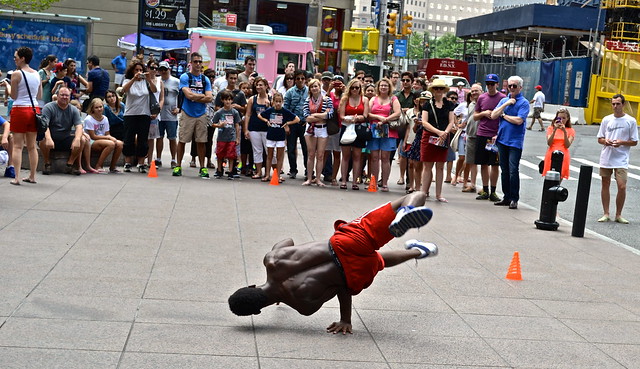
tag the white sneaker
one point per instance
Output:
(426, 248)
(408, 217)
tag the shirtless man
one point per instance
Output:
(306, 276)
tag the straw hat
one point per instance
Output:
(438, 83)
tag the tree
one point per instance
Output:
(417, 45)
(27, 5)
(447, 46)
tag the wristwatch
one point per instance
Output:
(502, 116)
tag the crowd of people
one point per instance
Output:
(349, 131)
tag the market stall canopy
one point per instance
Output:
(129, 42)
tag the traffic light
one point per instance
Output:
(392, 19)
(406, 25)
(373, 42)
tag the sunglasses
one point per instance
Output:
(153, 68)
(300, 79)
(406, 80)
(453, 97)
(196, 61)
(438, 88)
(354, 88)
(289, 78)
(513, 86)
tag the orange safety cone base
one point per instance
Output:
(275, 178)
(515, 272)
(153, 173)
(373, 184)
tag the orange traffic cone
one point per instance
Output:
(373, 184)
(152, 170)
(515, 273)
(275, 178)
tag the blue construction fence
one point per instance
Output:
(563, 81)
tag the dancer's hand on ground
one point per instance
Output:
(337, 327)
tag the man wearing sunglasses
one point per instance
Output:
(487, 129)
(512, 111)
(294, 102)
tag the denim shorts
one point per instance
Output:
(383, 144)
(171, 127)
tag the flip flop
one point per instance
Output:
(442, 199)
(265, 179)
(15, 183)
(28, 180)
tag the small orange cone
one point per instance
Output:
(373, 184)
(515, 273)
(275, 178)
(152, 170)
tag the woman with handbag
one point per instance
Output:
(353, 109)
(26, 89)
(437, 121)
(154, 124)
(138, 85)
(383, 109)
(317, 109)
(255, 129)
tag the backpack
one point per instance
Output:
(181, 94)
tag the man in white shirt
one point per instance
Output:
(538, 107)
(618, 132)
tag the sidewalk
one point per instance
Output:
(125, 271)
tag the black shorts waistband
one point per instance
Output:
(319, 126)
(337, 262)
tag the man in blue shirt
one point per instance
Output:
(512, 111)
(97, 81)
(294, 102)
(196, 88)
(119, 64)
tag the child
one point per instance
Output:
(96, 126)
(227, 120)
(6, 143)
(278, 119)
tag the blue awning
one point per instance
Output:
(534, 18)
(129, 42)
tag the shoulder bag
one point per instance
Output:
(398, 123)
(42, 121)
(154, 105)
(333, 127)
(434, 140)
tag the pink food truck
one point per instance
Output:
(223, 49)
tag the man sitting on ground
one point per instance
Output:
(306, 276)
(62, 118)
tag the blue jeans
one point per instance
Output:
(510, 176)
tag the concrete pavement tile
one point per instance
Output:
(626, 355)
(34, 358)
(99, 287)
(429, 366)
(566, 290)
(273, 363)
(605, 331)
(488, 287)
(552, 354)
(191, 339)
(70, 268)
(79, 308)
(517, 327)
(423, 300)
(581, 309)
(418, 348)
(417, 322)
(186, 312)
(136, 360)
(64, 334)
(9, 215)
(493, 305)
(192, 290)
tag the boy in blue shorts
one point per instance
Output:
(227, 120)
(278, 120)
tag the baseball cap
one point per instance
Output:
(460, 83)
(327, 75)
(164, 64)
(492, 78)
(425, 95)
(338, 77)
(58, 67)
(538, 87)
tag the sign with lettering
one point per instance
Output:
(166, 15)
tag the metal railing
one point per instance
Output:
(610, 4)
(625, 31)
(204, 20)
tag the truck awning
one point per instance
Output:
(129, 42)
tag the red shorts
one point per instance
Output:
(356, 244)
(23, 119)
(226, 150)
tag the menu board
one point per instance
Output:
(169, 15)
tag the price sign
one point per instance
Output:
(170, 15)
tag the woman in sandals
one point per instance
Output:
(437, 121)
(255, 129)
(23, 113)
(316, 110)
(353, 109)
(96, 125)
(383, 108)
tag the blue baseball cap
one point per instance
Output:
(492, 78)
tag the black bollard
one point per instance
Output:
(552, 193)
(557, 158)
(582, 201)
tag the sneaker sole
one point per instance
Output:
(415, 218)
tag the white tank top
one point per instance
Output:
(33, 78)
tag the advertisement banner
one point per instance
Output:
(166, 15)
(45, 37)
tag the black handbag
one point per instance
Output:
(363, 131)
(332, 125)
(42, 121)
(154, 105)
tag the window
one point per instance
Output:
(439, 6)
(438, 17)
(430, 17)
(444, 29)
(446, 7)
(431, 27)
(431, 5)
(446, 17)
(364, 9)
